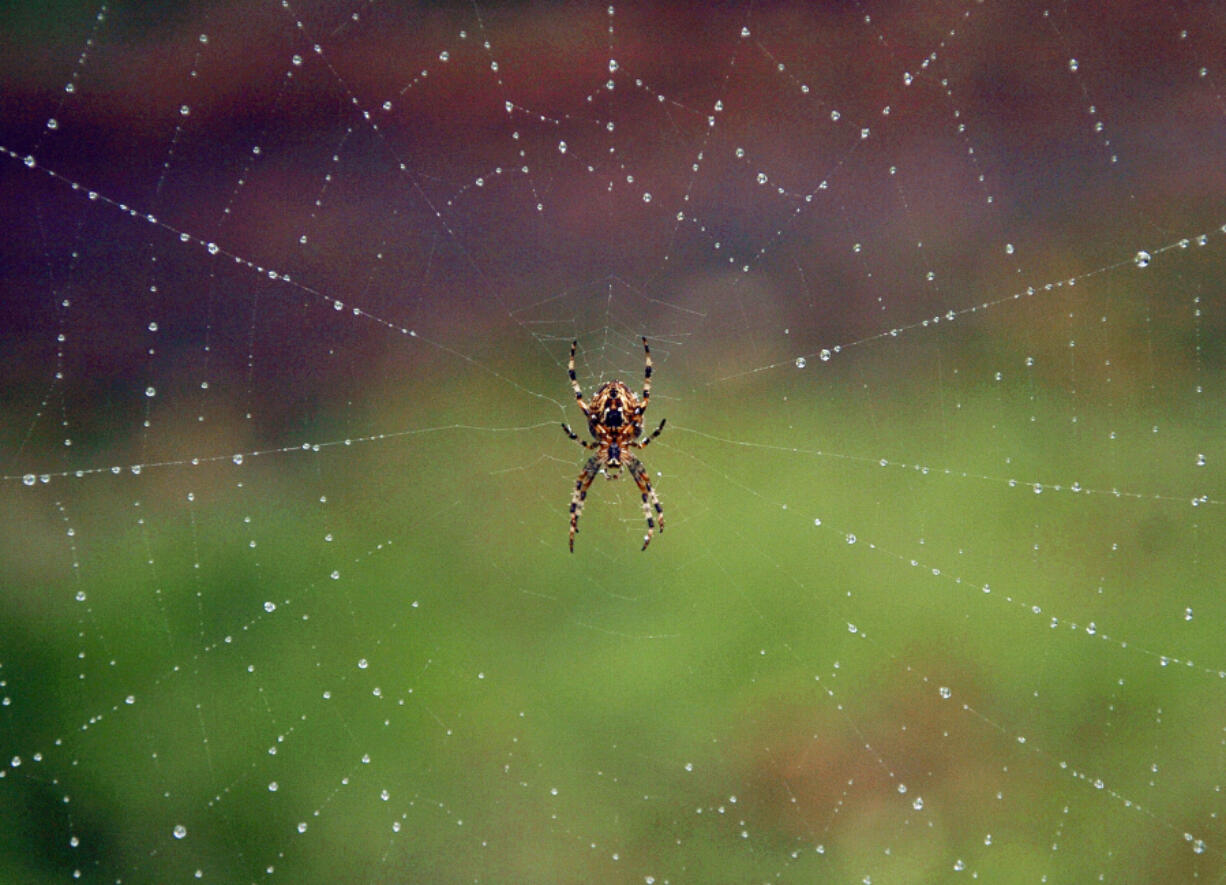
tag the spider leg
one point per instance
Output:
(642, 443)
(570, 369)
(650, 499)
(646, 375)
(590, 469)
(575, 437)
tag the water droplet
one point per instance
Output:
(1072, 65)
(801, 362)
(824, 355)
(1142, 258)
(179, 831)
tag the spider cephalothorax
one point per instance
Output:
(615, 421)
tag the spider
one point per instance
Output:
(615, 420)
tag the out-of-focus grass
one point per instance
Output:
(427, 617)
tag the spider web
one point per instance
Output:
(934, 301)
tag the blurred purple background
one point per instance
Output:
(403, 230)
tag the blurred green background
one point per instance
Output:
(285, 497)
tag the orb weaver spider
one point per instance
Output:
(615, 420)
